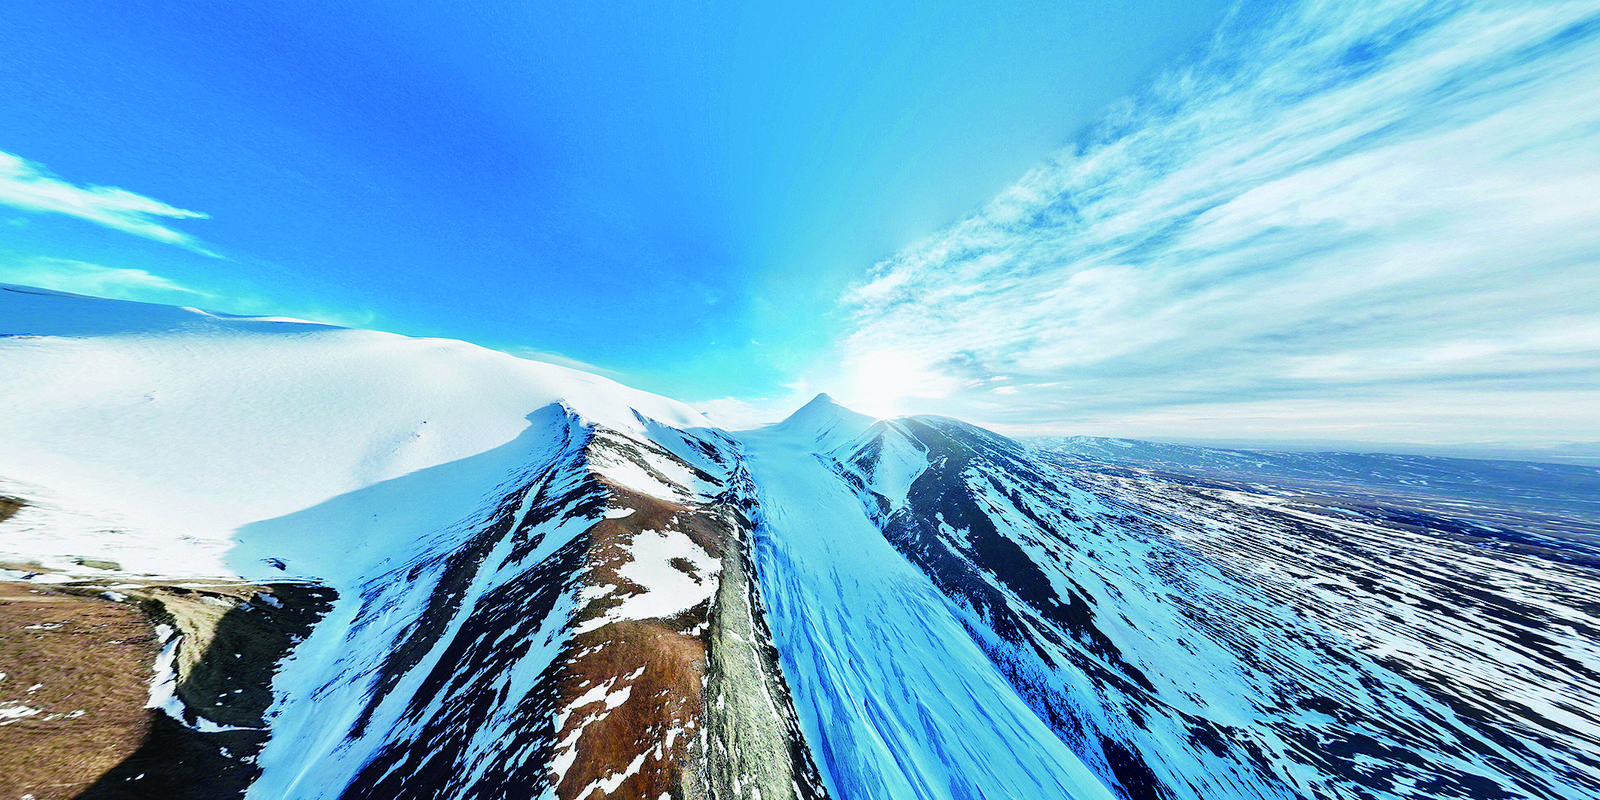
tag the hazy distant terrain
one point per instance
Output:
(1530, 506)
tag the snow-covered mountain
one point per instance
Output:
(490, 577)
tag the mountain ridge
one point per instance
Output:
(550, 585)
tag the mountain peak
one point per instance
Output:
(822, 399)
(826, 422)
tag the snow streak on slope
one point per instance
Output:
(1230, 648)
(588, 637)
(898, 699)
(367, 682)
(1509, 643)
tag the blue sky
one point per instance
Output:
(677, 192)
(1367, 220)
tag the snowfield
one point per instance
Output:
(188, 427)
(552, 585)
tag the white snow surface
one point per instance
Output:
(201, 434)
(896, 462)
(667, 589)
(896, 698)
(823, 424)
(327, 683)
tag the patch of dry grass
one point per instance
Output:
(77, 673)
(78, 669)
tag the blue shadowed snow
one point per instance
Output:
(895, 697)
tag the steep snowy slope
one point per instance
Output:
(900, 700)
(597, 632)
(1200, 643)
(541, 592)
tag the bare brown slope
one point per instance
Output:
(688, 705)
(706, 713)
(76, 679)
(661, 664)
(78, 666)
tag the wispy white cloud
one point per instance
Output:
(1332, 202)
(81, 277)
(29, 186)
(144, 286)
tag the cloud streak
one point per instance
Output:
(80, 277)
(144, 286)
(29, 186)
(1350, 212)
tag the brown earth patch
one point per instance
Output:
(9, 506)
(664, 696)
(71, 645)
(661, 661)
(82, 666)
